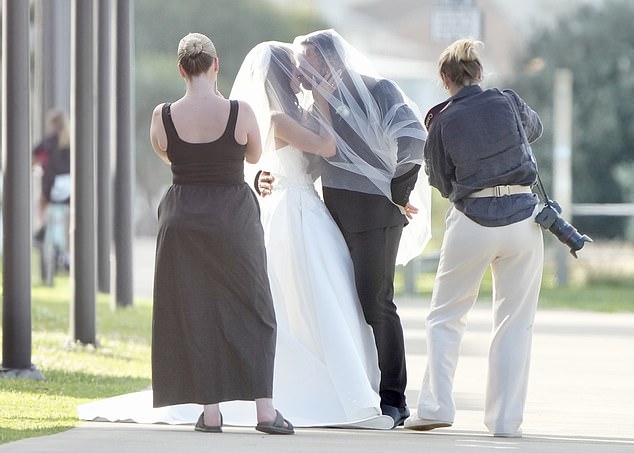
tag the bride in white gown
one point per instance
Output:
(326, 365)
(326, 371)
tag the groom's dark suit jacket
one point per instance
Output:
(356, 210)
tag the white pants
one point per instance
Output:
(515, 253)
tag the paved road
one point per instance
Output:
(581, 396)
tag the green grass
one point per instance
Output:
(601, 294)
(74, 374)
(604, 294)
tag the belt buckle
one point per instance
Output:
(500, 191)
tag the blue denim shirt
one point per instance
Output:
(475, 143)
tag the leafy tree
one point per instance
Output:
(235, 26)
(597, 45)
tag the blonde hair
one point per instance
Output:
(460, 62)
(58, 121)
(196, 53)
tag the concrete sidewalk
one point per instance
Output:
(581, 396)
(108, 438)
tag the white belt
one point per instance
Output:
(500, 191)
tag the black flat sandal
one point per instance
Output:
(201, 427)
(277, 427)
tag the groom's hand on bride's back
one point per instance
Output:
(264, 183)
(410, 210)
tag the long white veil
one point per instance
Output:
(268, 82)
(378, 130)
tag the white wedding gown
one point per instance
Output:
(326, 369)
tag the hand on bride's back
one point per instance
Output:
(265, 183)
(410, 210)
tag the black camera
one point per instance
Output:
(549, 219)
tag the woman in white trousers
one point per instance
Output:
(476, 156)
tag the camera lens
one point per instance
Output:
(548, 218)
(568, 235)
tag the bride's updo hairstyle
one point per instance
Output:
(196, 53)
(460, 62)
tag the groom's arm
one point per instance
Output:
(256, 182)
(406, 174)
(403, 185)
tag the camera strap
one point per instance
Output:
(538, 187)
(548, 217)
(541, 192)
(435, 111)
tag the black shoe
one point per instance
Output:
(277, 427)
(201, 427)
(399, 414)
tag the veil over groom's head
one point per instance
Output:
(327, 47)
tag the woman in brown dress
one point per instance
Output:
(214, 330)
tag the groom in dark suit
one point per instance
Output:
(370, 222)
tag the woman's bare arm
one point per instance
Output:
(290, 131)
(158, 136)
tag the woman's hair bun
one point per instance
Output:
(195, 44)
(466, 50)
(193, 47)
(196, 53)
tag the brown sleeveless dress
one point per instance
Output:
(213, 331)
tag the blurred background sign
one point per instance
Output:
(453, 19)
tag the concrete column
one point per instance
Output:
(124, 167)
(16, 167)
(83, 213)
(104, 177)
(562, 166)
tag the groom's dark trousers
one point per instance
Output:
(372, 227)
